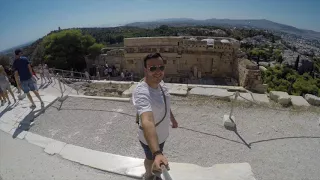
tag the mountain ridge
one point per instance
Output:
(239, 23)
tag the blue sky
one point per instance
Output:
(22, 21)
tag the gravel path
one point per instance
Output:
(282, 144)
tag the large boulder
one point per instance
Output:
(312, 99)
(282, 98)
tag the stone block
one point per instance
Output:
(215, 92)
(282, 98)
(128, 92)
(100, 160)
(183, 171)
(102, 98)
(260, 88)
(177, 89)
(54, 147)
(38, 140)
(201, 91)
(247, 97)
(228, 123)
(312, 99)
(260, 98)
(299, 101)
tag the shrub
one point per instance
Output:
(288, 80)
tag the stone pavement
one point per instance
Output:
(20, 160)
(109, 131)
(18, 118)
(273, 137)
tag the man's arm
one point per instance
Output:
(171, 115)
(149, 131)
(173, 120)
(30, 70)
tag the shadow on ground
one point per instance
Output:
(27, 122)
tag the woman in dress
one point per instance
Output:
(5, 85)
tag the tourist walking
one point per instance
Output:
(5, 85)
(34, 73)
(151, 99)
(27, 82)
(47, 73)
(2, 99)
(41, 72)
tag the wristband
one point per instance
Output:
(156, 153)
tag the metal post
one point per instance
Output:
(164, 174)
(60, 86)
(228, 119)
(232, 105)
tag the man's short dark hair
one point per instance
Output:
(17, 51)
(151, 56)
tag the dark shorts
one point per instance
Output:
(29, 85)
(147, 150)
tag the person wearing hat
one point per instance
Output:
(22, 69)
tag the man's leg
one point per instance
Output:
(25, 88)
(38, 96)
(30, 99)
(33, 87)
(148, 161)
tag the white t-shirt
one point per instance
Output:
(147, 99)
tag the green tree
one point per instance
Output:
(4, 60)
(95, 49)
(67, 49)
(37, 55)
(286, 79)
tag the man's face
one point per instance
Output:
(155, 70)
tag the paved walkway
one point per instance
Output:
(274, 136)
(22, 160)
(108, 127)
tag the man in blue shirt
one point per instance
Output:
(27, 83)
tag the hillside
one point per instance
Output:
(113, 36)
(248, 23)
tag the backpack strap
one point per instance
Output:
(165, 113)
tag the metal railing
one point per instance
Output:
(72, 75)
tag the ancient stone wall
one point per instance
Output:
(210, 57)
(152, 41)
(249, 74)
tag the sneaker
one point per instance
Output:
(9, 102)
(42, 104)
(33, 106)
(2, 102)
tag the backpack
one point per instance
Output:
(165, 103)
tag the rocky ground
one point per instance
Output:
(277, 142)
(99, 89)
